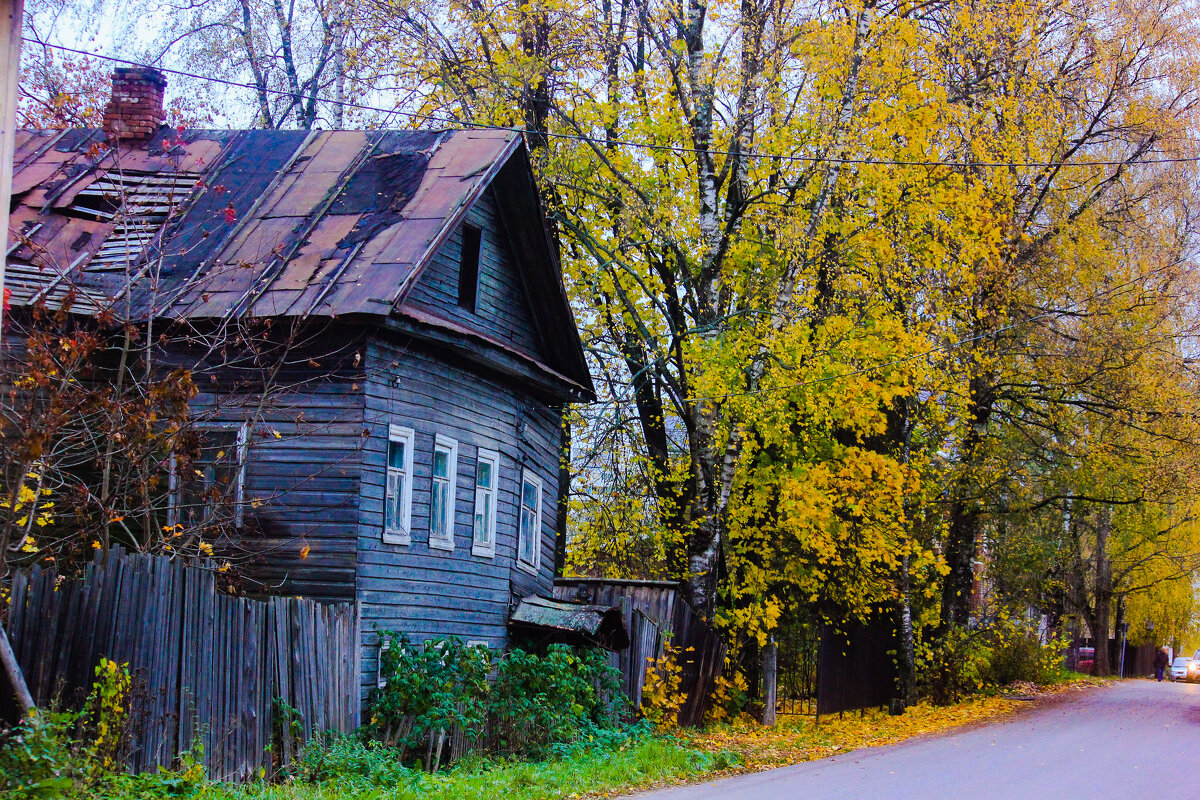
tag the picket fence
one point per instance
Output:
(248, 680)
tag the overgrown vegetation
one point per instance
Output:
(55, 753)
(533, 705)
(963, 661)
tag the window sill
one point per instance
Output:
(441, 544)
(532, 569)
(396, 538)
(483, 551)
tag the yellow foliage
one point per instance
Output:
(661, 695)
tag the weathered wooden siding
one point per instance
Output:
(502, 309)
(302, 467)
(428, 592)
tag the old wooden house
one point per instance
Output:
(410, 457)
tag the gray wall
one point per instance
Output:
(502, 310)
(301, 480)
(428, 592)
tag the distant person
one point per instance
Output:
(1161, 659)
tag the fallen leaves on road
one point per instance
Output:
(802, 738)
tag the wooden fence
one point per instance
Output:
(247, 679)
(653, 611)
(854, 667)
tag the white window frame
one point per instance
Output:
(485, 549)
(535, 565)
(405, 436)
(241, 445)
(450, 447)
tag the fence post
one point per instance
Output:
(770, 675)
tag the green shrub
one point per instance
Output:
(1015, 654)
(952, 665)
(564, 698)
(362, 764)
(430, 689)
(40, 758)
(79, 754)
(560, 697)
(983, 657)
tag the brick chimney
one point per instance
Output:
(135, 111)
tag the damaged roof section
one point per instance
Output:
(545, 620)
(195, 224)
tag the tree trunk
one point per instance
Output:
(960, 557)
(965, 522)
(1104, 593)
(908, 659)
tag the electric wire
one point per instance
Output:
(608, 143)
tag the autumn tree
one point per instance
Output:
(1092, 109)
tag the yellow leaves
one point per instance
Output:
(304, 551)
(661, 694)
(796, 739)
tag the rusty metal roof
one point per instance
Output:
(218, 224)
(572, 622)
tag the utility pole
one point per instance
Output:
(12, 15)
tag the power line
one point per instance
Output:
(605, 143)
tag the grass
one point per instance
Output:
(354, 771)
(650, 762)
(686, 756)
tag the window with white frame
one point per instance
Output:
(442, 491)
(529, 533)
(397, 501)
(487, 477)
(207, 483)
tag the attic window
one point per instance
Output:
(138, 205)
(468, 268)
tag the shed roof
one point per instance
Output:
(218, 224)
(572, 622)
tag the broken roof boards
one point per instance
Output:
(221, 224)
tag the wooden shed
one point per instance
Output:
(410, 457)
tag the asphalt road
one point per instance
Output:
(1135, 739)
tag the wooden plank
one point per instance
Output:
(49, 637)
(187, 667)
(18, 589)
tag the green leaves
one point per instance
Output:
(527, 702)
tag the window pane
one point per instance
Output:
(529, 495)
(483, 475)
(437, 514)
(441, 464)
(483, 517)
(396, 455)
(527, 537)
(394, 507)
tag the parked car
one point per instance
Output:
(1184, 669)
(1086, 657)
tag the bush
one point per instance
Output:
(431, 689)
(39, 758)
(78, 754)
(1016, 655)
(983, 657)
(348, 759)
(561, 698)
(951, 665)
